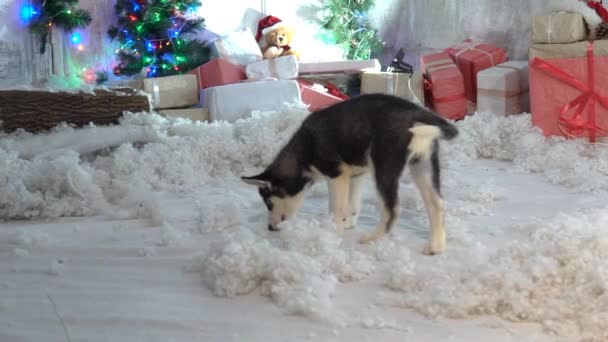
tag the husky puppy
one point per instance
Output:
(375, 133)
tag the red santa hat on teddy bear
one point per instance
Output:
(267, 24)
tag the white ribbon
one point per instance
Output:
(473, 48)
(392, 86)
(155, 92)
(439, 62)
(272, 68)
(550, 29)
(440, 67)
(392, 83)
(415, 98)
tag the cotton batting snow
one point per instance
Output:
(154, 237)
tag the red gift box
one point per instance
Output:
(444, 86)
(472, 59)
(568, 89)
(219, 72)
(318, 99)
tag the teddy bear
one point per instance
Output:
(276, 38)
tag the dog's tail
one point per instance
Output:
(447, 129)
(426, 131)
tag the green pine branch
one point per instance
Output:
(347, 26)
(155, 35)
(59, 13)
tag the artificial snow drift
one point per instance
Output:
(525, 217)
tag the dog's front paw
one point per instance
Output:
(351, 221)
(434, 247)
(340, 225)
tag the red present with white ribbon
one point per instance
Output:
(318, 96)
(568, 89)
(472, 58)
(444, 86)
(218, 72)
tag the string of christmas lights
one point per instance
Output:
(153, 35)
(61, 13)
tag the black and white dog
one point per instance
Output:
(373, 133)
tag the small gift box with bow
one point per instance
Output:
(444, 86)
(558, 28)
(471, 59)
(504, 89)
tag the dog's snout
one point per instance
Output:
(281, 39)
(272, 229)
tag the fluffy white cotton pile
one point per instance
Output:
(573, 163)
(298, 269)
(557, 276)
(185, 155)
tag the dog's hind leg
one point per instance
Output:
(354, 200)
(387, 171)
(425, 173)
(338, 200)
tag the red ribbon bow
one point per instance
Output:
(570, 126)
(333, 90)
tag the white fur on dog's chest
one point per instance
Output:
(354, 170)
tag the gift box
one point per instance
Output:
(472, 59)
(346, 67)
(218, 72)
(236, 101)
(399, 84)
(317, 97)
(558, 28)
(282, 68)
(179, 91)
(568, 89)
(504, 89)
(238, 47)
(194, 114)
(444, 86)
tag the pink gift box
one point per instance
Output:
(316, 99)
(444, 86)
(567, 89)
(472, 59)
(219, 72)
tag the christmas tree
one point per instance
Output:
(346, 24)
(60, 13)
(156, 35)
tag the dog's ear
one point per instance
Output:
(260, 180)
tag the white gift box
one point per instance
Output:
(237, 101)
(282, 68)
(348, 66)
(238, 47)
(504, 89)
